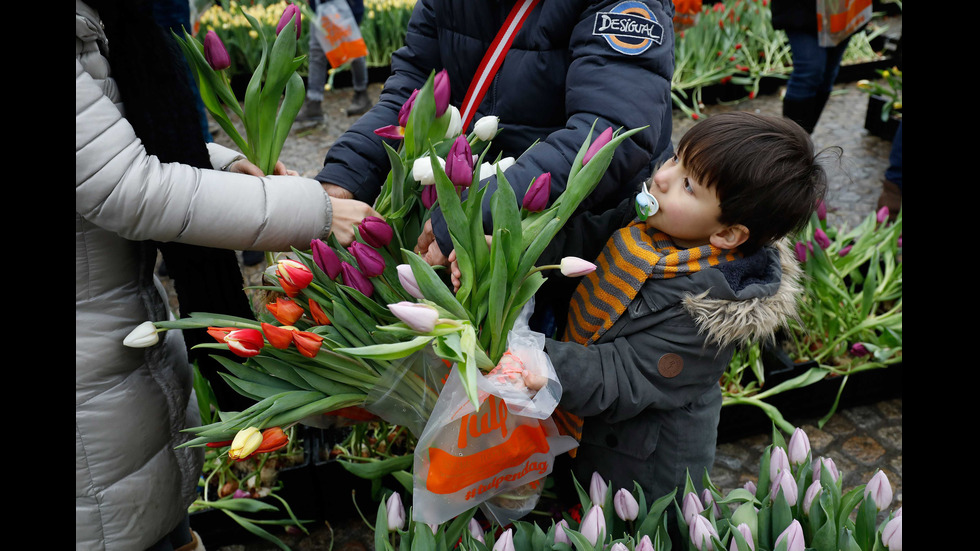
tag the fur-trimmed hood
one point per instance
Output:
(757, 303)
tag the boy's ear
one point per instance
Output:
(730, 237)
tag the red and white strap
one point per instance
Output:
(494, 58)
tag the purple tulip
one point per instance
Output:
(811, 495)
(746, 533)
(793, 536)
(645, 544)
(420, 317)
(325, 258)
(215, 53)
(843, 252)
(406, 109)
(701, 532)
(239, 493)
(604, 138)
(292, 11)
(370, 261)
(391, 132)
(785, 484)
(506, 541)
(536, 198)
(880, 490)
(821, 210)
(597, 489)
(459, 163)
(882, 215)
(800, 251)
(858, 349)
(799, 447)
(376, 232)
(440, 89)
(355, 279)
(691, 507)
(826, 463)
(476, 530)
(891, 536)
(396, 512)
(560, 535)
(778, 461)
(899, 243)
(593, 526)
(407, 278)
(429, 196)
(809, 247)
(625, 504)
(821, 238)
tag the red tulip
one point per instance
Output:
(604, 138)
(242, 342)
(272, 440)
(325, 258)
(355, 279)
(406, 109)
(285, 311)
(441, 92)
(536, 198)
(307, 343)
(293, 276)
(459, 163)
(376, 232)
(292, 11)
(215, 53)
(279, 337)
(317, 313)
(370, 261)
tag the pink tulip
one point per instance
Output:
(799, 447)
(370, 261)
(645, 544)
(292, 11)
(505, 542)
(536, 198)
(325, 258)
(395, 512)
(811, 495)
(691, 507)
(778, 461)
(407, 278)
(619, 546)
(604, 138)
(420, 317)
(891, 536)
(821, 238)
(573, 266)
(215, 53)
(709, 501)
(560, 535)
(376, 232)
(625, 505)
(593, 526)
(750, 486)
(828, 464)
(459, 163)
(476, 530)
(597, 489)
(745, 532)
(785, 484)
(441, 92)
(355, 279)
(701, 532)
(880, 490)
(882, 215)
(793, 536)
(406, 109)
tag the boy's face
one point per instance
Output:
(688, 211)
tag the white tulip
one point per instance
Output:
(145, 335)
(455, 123)
(422, 170)
(486, 127)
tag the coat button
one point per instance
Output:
(670, 365)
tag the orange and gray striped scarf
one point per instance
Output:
(632, 255)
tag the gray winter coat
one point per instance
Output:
(131, 485)
(649, 387)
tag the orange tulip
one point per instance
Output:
(293, 276)
(272, 440)
(285, 310)
(307, 343)
(279, 337)
(243, 342)
(317, 313)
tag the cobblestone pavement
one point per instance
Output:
(860, 439)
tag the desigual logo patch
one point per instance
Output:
(630, 28)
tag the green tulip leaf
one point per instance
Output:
(391, 351)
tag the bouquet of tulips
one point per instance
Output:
(274, 94)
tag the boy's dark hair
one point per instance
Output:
(763, 169)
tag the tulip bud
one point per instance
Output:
(750, 486)
(843, 252)
(406, 109)
(240, 494)
(748, 515)
(645, 544)
(292, 11)
(420, 317)
(459, 163)
(778, 461)
(604, 138)
(422, 170)
(709, 501)
(429, 196)
(691, 507)
(476, 530)
(821, 238)
(455, 123)
(880, 490)
(701, 531)
(317, 313)
(625, 504)
(355, 279)
(375, 232)
(537, 195)
(858, 349)
(811, 495)
(279, 337)
(272, 439)
(891, 536)
(882, 215)
(785, 484)
(597, 489)
(396, 512)
(325, 258)
(573, 266)
(821, 210)
(307, 343)
(245, 443)
(505, 542)
(486, 127)
(286, 311)
(799, 447)
(433, 527)
(560, 535)
(370, 261)
(441, 92)
(746, 533)
(793, 536)
(407, 278)
(826, 463)
(618, 546)
(242, 342)
(215, 53)
(593, 526)
(391, 132)
(145, 335)
(800, 251)
(293, 276)
(505, 163)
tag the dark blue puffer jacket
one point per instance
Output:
(573, 61)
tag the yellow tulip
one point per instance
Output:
(245, 443)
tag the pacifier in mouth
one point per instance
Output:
(646, 204)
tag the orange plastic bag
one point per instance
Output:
(338, 33)
(839, 19)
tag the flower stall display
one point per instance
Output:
(884, 102)
(274, 94)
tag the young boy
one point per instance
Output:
(678, 286)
